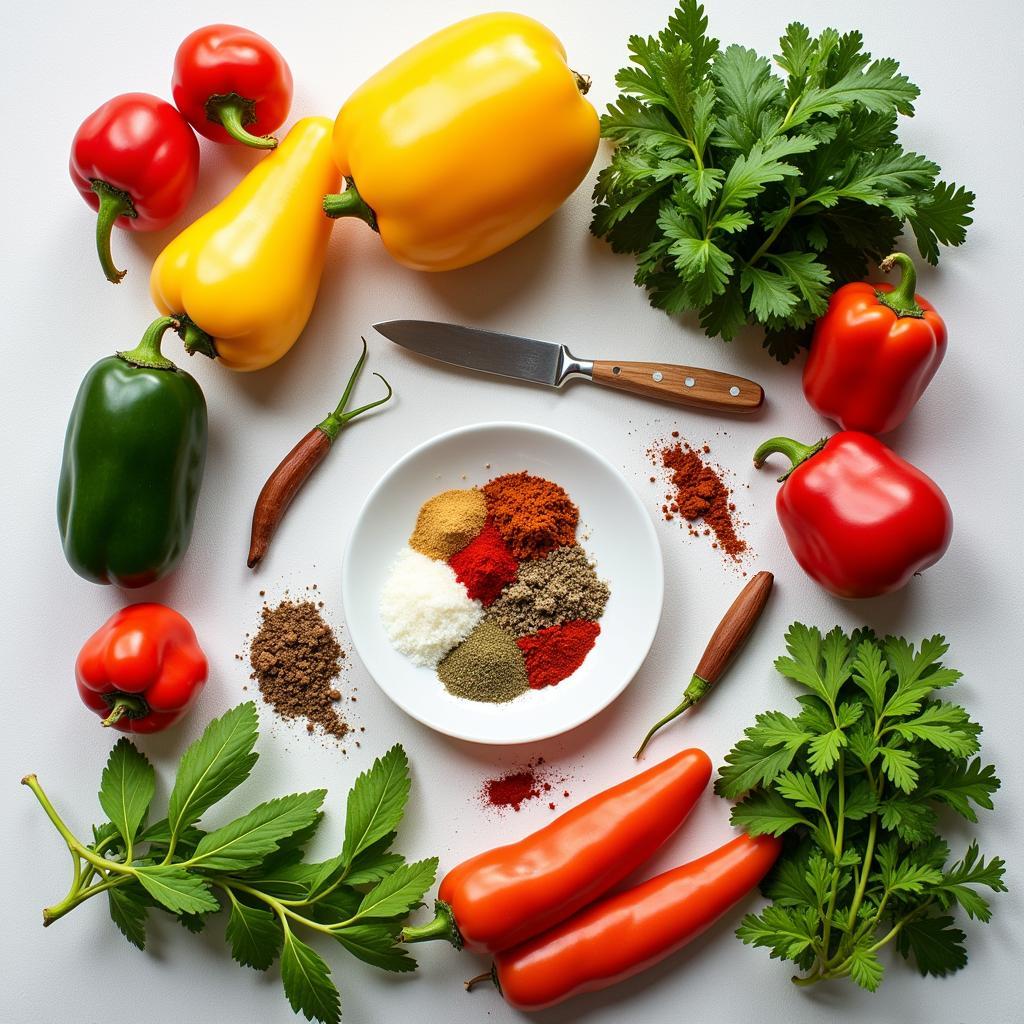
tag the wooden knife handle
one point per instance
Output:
(735, 626)
(684, 385)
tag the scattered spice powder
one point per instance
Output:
(699, 492)
(448, 522)
(555, 653)
(559, 588)
(295, 659)
(514, 788)
(486, 666)
(485, 566)
(532, 514)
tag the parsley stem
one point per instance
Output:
(836, 871)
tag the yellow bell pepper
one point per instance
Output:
(243, 277)
(465, 143)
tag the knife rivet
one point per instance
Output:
(657, 376)
(734, 391)
(616, 370)
(689, 382)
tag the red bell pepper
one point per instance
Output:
(859, 519)
(874, 352)
(232, 85)
(136, 161)
(142, 669)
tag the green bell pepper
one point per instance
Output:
(132, 467)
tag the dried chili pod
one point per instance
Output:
(295, 468)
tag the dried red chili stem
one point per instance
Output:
(295, 468)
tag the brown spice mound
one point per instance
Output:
(295, 658)
(533, 515)
(699, 492)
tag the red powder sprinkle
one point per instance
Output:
(485, 566)
(556, 652)
(700, 493)
(516, 787)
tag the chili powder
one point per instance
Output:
(533, 515)
(555, 653)
(485, 566)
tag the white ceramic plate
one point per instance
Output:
(616, 531)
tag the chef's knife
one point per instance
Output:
(545, 362)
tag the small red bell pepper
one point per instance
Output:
(232, 85)
(142, 669)
(859, 519)
(874, 352)
(136, 161)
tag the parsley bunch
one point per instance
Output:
(856, 780)
(748, 196)
(253, 867)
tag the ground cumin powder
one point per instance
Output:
(295, 659)
(448, 522)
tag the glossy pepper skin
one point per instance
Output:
(132, 466)
(142, 669)
(243, 278)
(506, 895)
(859, 519)
(135, 161)
(232, 85)
(624, 934)
(874, 352)
(466, 142)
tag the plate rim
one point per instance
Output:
(641, 652)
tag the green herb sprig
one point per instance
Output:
(855, 781)
(253, 867)
(748, 196)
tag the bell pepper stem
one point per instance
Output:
(113, 204)
(470, 983)
(902, 300)
(233, 113)
(147, 353)
(349, 204)
(443, 926)
(793, 450)
(195, 338)
(691, 695)
(335, 421)
(125, 704)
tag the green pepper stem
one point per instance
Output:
(336, 420)
(233, 113)
(693, 694)
(349, 204)
(793, 450)
(125, 704)
(443, 926)
(195, 338)
(902, 300)
(147, 353)
(114, 203)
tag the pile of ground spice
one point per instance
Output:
(486, 666)
(555, 653)
(485, 566)
(549, 591)
(699, 494)
(295, 659)
(531, 782)
(448, 522)
(533, 515)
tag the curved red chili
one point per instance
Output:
(232, 85)
(135, 160)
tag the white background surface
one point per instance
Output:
(59, 62)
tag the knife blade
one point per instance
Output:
(552, 364)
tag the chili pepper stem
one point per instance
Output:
(691, 695)
(443, 926)
(114, 203)
(902, 300)
(234, 112)
(147, 353)
(334, 422)
(793, 450)
(349, 204)
(471, 982)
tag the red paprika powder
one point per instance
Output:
(485, 566)
(533, 515)
(555, 653)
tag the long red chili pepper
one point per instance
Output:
(135, 161)
(232, 85)
(295, 468)
(625, 934)
(506, 895)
